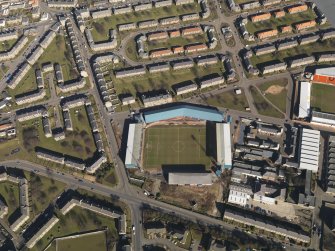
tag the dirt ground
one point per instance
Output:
(204, 197)
(274, 89)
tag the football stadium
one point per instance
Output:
(182, 135)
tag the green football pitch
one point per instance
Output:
(95, 241)
(175, 145)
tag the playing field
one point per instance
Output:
(95, 241)
(175, 145)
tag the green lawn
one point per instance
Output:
(274, 23)
(59, 51)
(43, 191)
(175, 145)
(78, 143)
(262, 106)
(285, 55)
(7, 45)
(86, 243)
(101, 27)
(78, 220)
(276, 92)
(228, 100)
(164, 80)
(9, 194)
(178, 41)
(322, 97)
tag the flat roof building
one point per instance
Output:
(133, 151)
(223, 145)
(191, 179)
(309, 150)
(305, 99)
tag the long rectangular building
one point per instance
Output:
(309, 150)
(223, 143)
(133, 151)
(191, 179)
(305, 99)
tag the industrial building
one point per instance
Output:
(309, 150)
(223, 145)
(304, 99)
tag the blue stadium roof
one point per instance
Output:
(190, 111)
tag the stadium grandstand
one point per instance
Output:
(153, 141)
(182, 111)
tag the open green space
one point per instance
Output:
(276, 92)
(7, 45)
(274, 23)
(178, 41)
(228, 100)
(77, 143)
(95, 241)
(9, 195)
(43, 191)
(79, 220)
(262, 106)
(101, 27)
(286, 55)
(164, 80)
(27, 84)
(322, 97)
(175, 145)
(59, 51)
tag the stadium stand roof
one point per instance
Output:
(133, 152)
(223, 145)
(190, 111)
(190, 179)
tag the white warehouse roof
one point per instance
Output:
(223, 143)
(309, 150)
(330, 71)
(133, 151)
(305, 99)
